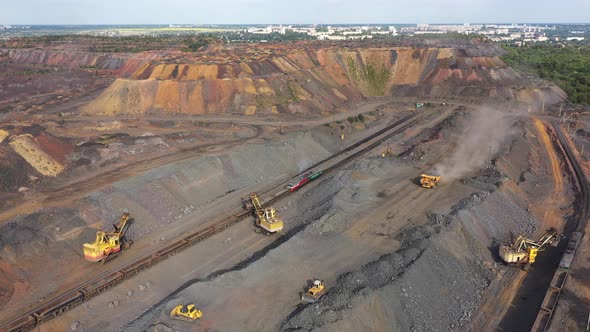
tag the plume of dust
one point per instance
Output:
(483, 134)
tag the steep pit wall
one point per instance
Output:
(309, 81)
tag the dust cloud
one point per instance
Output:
(484, 132)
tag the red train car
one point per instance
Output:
(294, 186)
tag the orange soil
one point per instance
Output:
(550, 212)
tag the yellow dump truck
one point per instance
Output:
(429, 181)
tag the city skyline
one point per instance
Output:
(108, 12)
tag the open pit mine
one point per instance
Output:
(410, 185)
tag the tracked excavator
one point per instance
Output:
(314, 292)
(523, 252)
(429, 181)
(109, 244)
(190, 314)
(266, 218)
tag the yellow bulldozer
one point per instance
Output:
(109, 244)
(429, 181)
(314, 292)
(266, 218)
(523, 252)
(190, 314)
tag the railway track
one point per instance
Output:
(63, 302)
(545, 314)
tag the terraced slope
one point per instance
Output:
(307, 78)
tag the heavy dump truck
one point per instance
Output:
(109, 244)
(266, 218)
(429, 181)
(314, 292)
(190, 314)
(523, 251)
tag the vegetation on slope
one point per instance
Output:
(375, 77)
(566, 66)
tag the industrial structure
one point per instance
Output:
(524, 251)
(266, 218)
(109, 244)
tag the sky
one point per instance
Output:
(291, 11)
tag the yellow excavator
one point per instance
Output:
(190, 314)
(266, 218)
(314, 292)
(429, 181)
(109, 244)
(524, 251)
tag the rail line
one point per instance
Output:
(549, 303)
(61, 303)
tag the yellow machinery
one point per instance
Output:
(387, 152)
(191, 313)
(108, 244)
(314, 292)
(524, 251)
(266, 218)
(429, 181)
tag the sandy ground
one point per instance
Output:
(369, 205)
(212, 206)
(394, 256)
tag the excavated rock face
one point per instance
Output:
(308, 78)
(122, 64)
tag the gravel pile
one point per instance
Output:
(372, 276)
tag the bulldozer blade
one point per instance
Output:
(306, 298)
(182, 318)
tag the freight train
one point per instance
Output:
(306, 179)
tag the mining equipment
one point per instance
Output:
(190, 314)
(109, 244)
(266, 218)
(429, 181)
(314, 292)
(523, 251)
(387, 152)
(306, 179)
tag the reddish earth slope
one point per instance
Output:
(305, 78)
